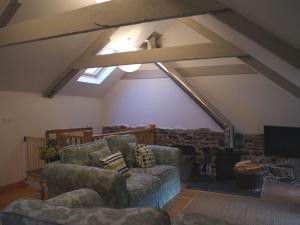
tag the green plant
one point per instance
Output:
(49, 153)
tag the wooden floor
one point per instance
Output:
(277, 193)
(22, 192)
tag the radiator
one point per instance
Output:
(32, 148)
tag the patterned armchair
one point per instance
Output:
(151, 187)
(78, 207)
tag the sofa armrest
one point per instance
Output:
(165, 155)
(83, 197)
(109, 184)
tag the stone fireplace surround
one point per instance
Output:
(208, 143)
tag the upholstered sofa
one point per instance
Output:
(80, 207)
(149, 187)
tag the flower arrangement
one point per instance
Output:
(50, 152)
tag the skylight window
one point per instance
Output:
(97, 75)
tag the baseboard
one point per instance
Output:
(13, 186)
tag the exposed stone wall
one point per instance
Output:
(251, 144)
(207, 143)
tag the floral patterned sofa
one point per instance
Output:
(80, 207)
(146, 187)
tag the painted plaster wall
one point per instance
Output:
(24, 114)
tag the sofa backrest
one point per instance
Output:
(121, 143)
(79, 154)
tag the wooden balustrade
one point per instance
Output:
(65, 137)
(143, 136)
(74, 136)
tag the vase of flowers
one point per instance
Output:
(49, 153)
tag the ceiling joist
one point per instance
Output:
(272, 75)
(106, 15)
(256, 33)
(8, 8)
(214, 70)
(247, 59)
(178, 53)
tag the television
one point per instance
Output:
(282, 141)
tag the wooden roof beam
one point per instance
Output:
(69, 73)
(249, 60)
(8, 9)
(106, 15)
(277, 46)
(178, 53)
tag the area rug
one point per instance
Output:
(244, 210)
(227, 187)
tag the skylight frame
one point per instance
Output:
(100, 73)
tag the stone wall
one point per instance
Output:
(207, 143)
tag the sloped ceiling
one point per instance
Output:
(33, 67)
(276, 16)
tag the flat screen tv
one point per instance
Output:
(282, 141)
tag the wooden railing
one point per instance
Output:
(74, 136)
(143, 136)
(65, 137)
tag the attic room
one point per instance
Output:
(150, 112)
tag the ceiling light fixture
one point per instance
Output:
(127, 47)
(101, 1)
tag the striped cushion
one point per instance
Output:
(115, 162)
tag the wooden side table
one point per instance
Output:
(36, 180)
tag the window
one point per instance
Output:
(98, 74)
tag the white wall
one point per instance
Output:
(31, 115)
(249, 101)
(159, 101)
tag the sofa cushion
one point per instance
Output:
(79, 154)
(160, 171)
(144, 157)
(115, 162)
(97, 156)
(140, 185)
(121, 143)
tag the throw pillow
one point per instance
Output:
(120, 143)
(97, 156)
(144, 156)
(115, 162)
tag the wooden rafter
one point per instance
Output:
(8, 8)
(69, 73)
(178, 53)
(247, 59)
(107, 15)
(256, 33)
